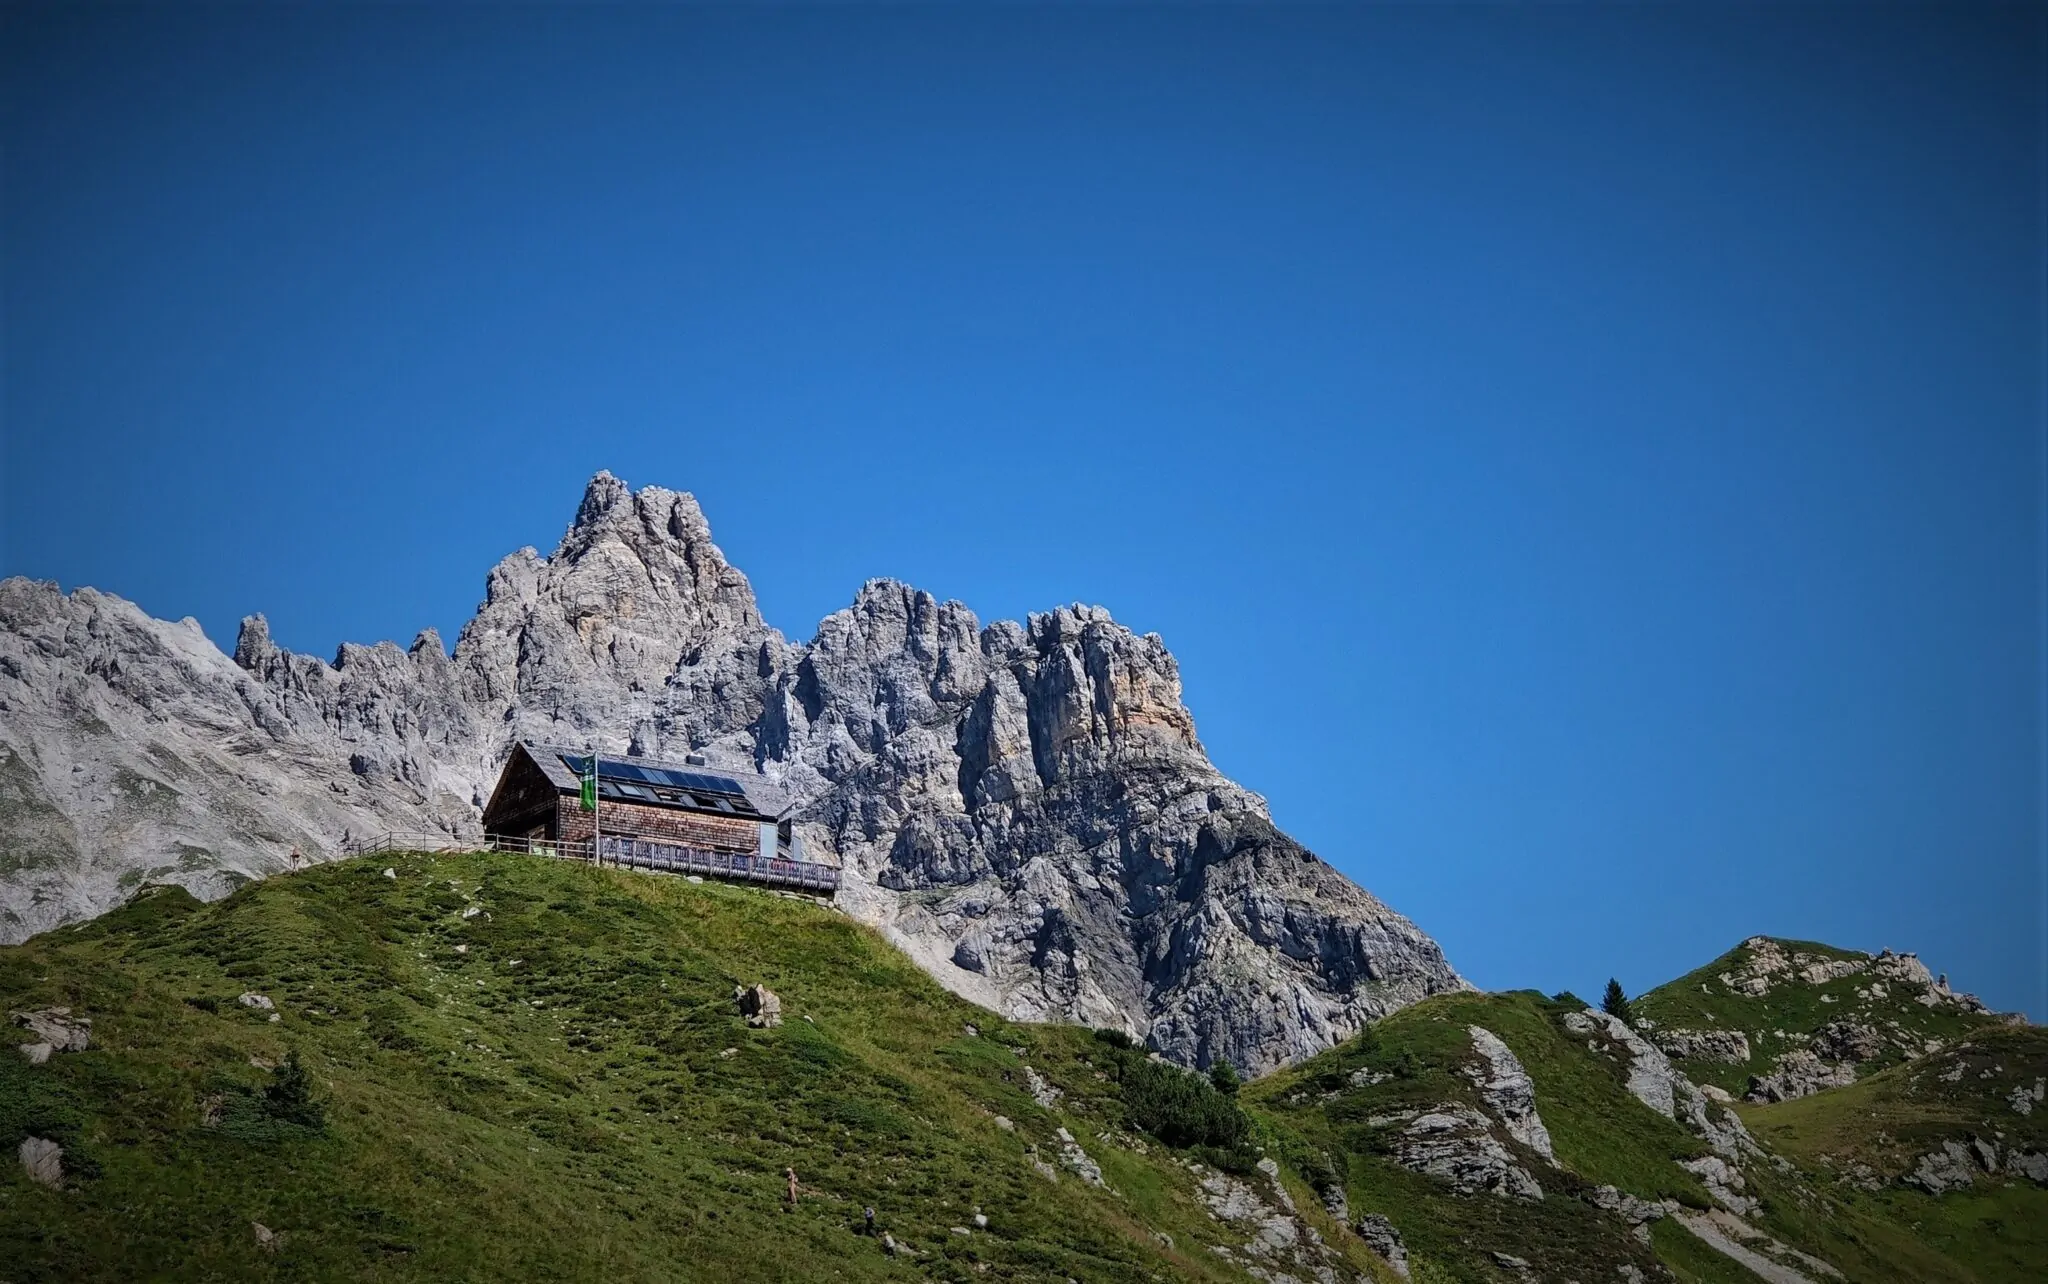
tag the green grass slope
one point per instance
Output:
(1340, 1113)
(535, 1070)
(1857, 1142)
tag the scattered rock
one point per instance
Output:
(1381, 1237)
(472, 911)
(267, 1239)
(390, 873)
(37, 1053)
(1723, 1181)
(1041, 1091)
(970, 1029)
(44, 1160)
(259, 1001)
(1003, 1122)
(759, 1005)
(2023, 1099)
(1510, 1261)
(980, 1220)
(1638, 1213)
(1077, 1159)
(58, 1028)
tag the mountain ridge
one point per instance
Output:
(1024, 806)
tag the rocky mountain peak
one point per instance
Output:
(1024, 807)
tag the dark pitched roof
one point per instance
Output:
(764, 795)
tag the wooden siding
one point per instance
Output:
(663, 824)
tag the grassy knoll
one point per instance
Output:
(1785, 1017)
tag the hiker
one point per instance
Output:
(791, 1174)
(295, 858)
(869, 1228)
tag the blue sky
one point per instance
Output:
(1587, 460)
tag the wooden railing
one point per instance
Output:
(625, 852)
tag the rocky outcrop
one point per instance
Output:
(1768, 963)
(1024, 807)
(1655, 1082)
(1731, 1046)
(1949, 1168)
(1799, 1073)
(1455, 1145)
(1508, 1091)
(1278, 1244)
(1381, 1237)
(1637, 1213)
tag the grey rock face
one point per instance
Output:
(1799, 1073)
(1381, 1237)
(1509, 1092)
(1731, 1046)
(1454, 1144)
(1024, 807)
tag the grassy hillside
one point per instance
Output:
(532, 1070)
(525, 1069)
(1855, 1143)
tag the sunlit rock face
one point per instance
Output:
(1025, 808)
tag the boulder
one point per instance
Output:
(759, 1005)
(44, 1160)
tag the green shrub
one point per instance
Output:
(1180, 1108)
(1224, 1078)
(288, 1097)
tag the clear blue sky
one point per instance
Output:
(1588, 460)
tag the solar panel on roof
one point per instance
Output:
(694, 781)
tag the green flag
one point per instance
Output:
(590, 786)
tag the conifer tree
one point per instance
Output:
(1615, 1003)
